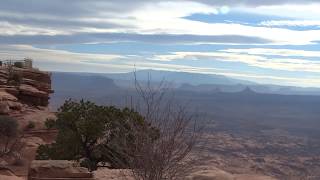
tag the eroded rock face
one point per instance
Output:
(33, 89)
(57, 169)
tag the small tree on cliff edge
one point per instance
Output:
(94, 134)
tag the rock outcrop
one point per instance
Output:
(58, 169)
(20, 88)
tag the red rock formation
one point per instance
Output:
(30, 88)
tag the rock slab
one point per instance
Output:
(57, 170)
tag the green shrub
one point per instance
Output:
(93, 134)
(18, 64)
(50, 123)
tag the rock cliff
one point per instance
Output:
(21, 88)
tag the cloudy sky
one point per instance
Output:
(267, 41)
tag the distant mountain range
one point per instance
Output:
(96, 84)
(259, 88)
(207, 82)
(177, 77)
(81, 82)
(78, 86)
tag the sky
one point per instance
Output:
(269, 41)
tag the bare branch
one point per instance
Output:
(168, 156)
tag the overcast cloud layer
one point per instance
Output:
(272, 41)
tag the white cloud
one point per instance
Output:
(285, 64)
(162, 19)
(183, 26)
(167, 18)
(9, 29)
(168, 10)
(296, 23)
(275, 52)
(47, 55)
(296, 11)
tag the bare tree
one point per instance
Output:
(167, 155)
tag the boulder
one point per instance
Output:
(57, 169)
